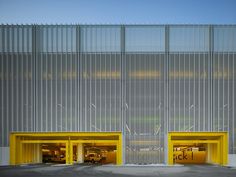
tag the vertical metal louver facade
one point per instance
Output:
(189, 78)
(142, 80)
(56, 82)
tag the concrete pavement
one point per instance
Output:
(116, 171)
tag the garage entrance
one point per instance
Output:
(53, 153)
(65, 147)
(198, 147)
(99, 153)
(194, 153)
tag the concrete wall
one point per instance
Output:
(232, 160)
(4, 155)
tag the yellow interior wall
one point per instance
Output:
(198, 157)
(212, 153)
(111, 157)
(31, 153)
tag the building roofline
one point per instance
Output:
(105, 24)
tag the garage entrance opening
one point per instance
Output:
(96, 153)
(100, 153)
(66, 147)
(190, 153)
(54, 153)
(198, 148)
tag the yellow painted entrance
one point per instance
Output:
(26, 147)
(214, 145)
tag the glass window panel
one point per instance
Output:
(58, 39)
(189, 39)
(145, 39)
(100, 39)
(16, 39)
(225, 38)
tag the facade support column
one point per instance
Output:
(123, 93)
(166, 95)
(80, 153)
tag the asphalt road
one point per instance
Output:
(115, 171)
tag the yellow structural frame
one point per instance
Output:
(18, 139)
(220, 139)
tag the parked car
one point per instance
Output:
(59, 159)
(93, 157)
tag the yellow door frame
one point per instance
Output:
(218, 138)
(69, 138)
